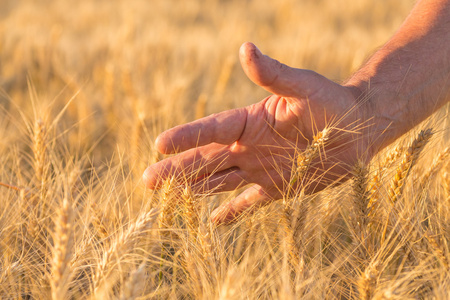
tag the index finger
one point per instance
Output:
(223, 128)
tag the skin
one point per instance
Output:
(403, 83)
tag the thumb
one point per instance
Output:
(278, 78)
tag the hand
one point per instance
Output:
(256, 144)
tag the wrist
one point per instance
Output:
(377, 125)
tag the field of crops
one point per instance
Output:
(86, 87)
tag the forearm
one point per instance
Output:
(409, 77)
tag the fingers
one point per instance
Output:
(223, 128)
(189, 165)
(251, 199)
(222, 181)
(276, 77)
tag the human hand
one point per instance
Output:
(257, 144)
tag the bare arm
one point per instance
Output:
(409, 77)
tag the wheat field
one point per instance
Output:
(85, 88)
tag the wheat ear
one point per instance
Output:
(312, 151)
(62, 251)
(288, 234)
(376, 180)
(205, 241)
(167, 207)
(122, 245)
(40, 150)
(360, 196)
(191, 211)
(302, 164)
(368, 281)
(409, 159)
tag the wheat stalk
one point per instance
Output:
(302, 164)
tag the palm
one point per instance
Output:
(256, 144)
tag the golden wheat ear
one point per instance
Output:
(190, 211)
(292, 221)
(360, 196)
(167, 204)
(40, 150)
(62, 251)
(409, 159)
(123, 244)
(360, 186)
(375, 184)
(304, 159)
(367, 281)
